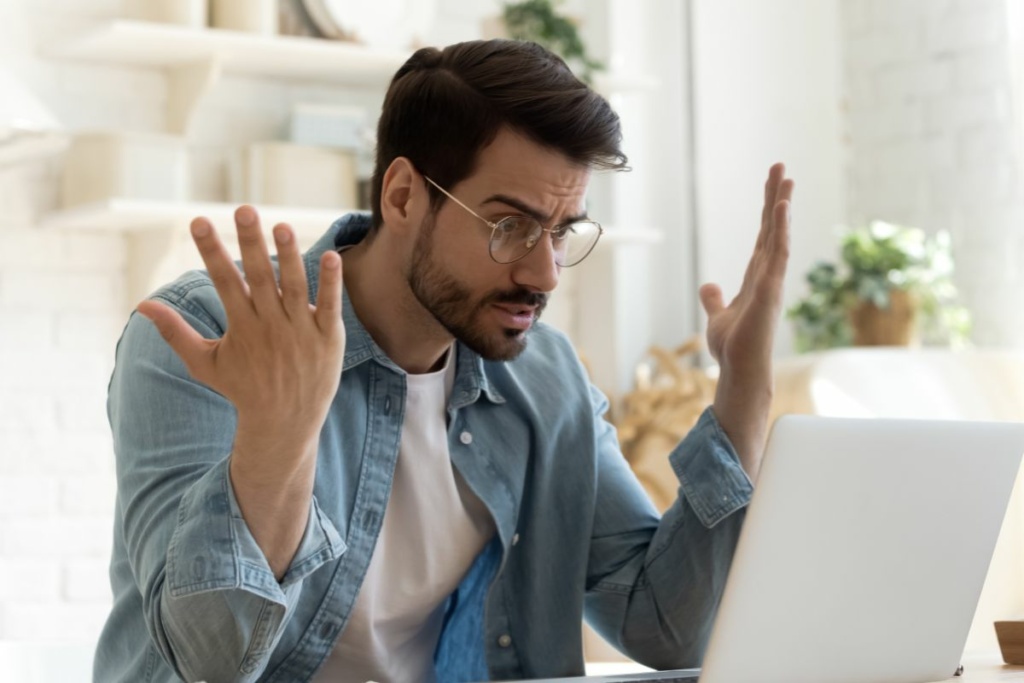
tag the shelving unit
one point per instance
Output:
(150, 44)
(195, 59)
(140, 215)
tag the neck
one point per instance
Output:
(382, 300)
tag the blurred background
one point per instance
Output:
(899, 119)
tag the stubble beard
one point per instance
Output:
(452, 303)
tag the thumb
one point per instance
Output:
(179, 335)
(711, 299)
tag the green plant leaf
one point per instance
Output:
(539, 22)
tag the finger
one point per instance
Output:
(711, 299)
(771, 189)
(259, 273)
(778, 235)
(779, 246)
(764, 281)
(192, 348)
(328, 299)
(784, 193)
(294, 287)
(786, 188)
(223, 272)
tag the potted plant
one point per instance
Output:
(893, 286)
(540, 22)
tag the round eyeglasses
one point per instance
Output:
(513, 237)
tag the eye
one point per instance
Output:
(562, 232)
(516, 225)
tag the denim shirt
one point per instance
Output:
(195, 598)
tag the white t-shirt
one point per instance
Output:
(434, 528)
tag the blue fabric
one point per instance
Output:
(577, 537)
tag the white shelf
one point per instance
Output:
(151, 44)
(195, 59)
(141, 215)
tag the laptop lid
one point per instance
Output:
(864, 550)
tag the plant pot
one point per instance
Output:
(893, 326)
(1011, 640)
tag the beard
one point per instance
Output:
(453, 305)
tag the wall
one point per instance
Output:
(646, 291)
(60, 312)
(767, 88)
(934, 140)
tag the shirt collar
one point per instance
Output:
(470, 373)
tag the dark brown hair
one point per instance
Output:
(444, 106)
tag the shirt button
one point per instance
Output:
(466, 438)
(504, 640)
(387, 405)
(328, 630)
(515, 539)
(369, 519)
(249, 665)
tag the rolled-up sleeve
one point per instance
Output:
(212, 604)
(712, 480)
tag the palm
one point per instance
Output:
(280, 356)
(740, 335)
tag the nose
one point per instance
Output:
(538, 271)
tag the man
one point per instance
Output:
(390, 470)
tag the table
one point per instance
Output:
(988, 668)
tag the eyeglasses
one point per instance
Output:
(513, 237)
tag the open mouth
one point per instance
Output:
(516, 316)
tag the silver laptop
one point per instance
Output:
(863, 553)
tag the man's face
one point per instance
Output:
(486, 305)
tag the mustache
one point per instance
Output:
(520, 296)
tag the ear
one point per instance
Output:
(403, 197)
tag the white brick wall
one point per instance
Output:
(933, 140)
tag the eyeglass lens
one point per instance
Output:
(515, 236)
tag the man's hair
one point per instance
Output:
(444, 106)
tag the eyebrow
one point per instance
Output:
(528, 210)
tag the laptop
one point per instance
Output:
(863, 553)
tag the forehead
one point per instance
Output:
(516, 166)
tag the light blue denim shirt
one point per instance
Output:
(576, 536)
